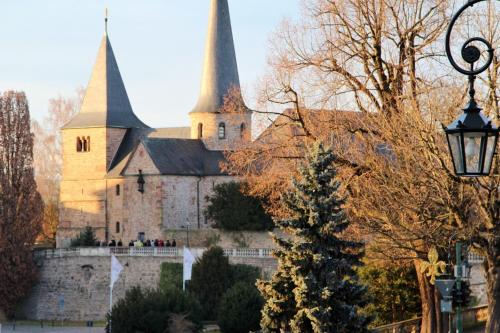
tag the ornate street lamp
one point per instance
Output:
(472, 138)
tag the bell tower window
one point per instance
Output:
(200, 130)
(222, 131)
(83, 144)
(79, 144)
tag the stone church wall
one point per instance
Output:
(83, 284)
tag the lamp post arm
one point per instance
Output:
(470, 53)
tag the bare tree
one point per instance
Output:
(379, 58)
(48, 146)
(47, 153)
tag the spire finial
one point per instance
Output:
(106, 21)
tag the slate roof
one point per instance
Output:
(220, 69)
(171, 132)
(171, 151)
(106, 102)
(188, 157)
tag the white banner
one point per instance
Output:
(187, 266)
(116, 269)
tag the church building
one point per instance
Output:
(127, 180)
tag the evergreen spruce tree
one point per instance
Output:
(86, 238)
(315, 288)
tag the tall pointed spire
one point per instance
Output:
(106, 102)
(220, 70)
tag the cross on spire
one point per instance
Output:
(106, 21)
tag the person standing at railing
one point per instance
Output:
(174, 243)
(167, 243)
(120, 243)
(131, 243)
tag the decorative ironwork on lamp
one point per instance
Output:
(472, 137)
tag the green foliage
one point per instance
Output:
(315, 288)
(245, 273)
(239, 309)
(394, 291)
(211, 277)
(170, 276)
(151, 311)
(86, 238)
(233, 210)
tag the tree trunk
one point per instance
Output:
(492, 268)
(432, 320)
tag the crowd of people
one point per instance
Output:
(139, 243)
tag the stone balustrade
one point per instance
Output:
(146, 252)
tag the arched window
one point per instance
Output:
(79, 144)
(118, 189)
(85, 147)
(88, 143)
(117, 227)
(200, 130)
(222, 131)
(242, 130)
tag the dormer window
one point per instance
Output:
(222, 131)
(83, 144)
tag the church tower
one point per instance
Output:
(220, 118)
(90, 142)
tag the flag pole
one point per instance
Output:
(183, 270)
(110, 303)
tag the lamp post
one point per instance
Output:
(454, 289)
(472, 137)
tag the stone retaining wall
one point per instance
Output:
(77, 287)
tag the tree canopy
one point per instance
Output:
(231, 208)
(21, 207)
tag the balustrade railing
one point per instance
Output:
(145, 252)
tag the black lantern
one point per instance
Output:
(472, 138)
(140, 182)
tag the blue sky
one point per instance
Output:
(49, 47)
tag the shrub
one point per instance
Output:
(170, 276)
(233, 210)
(245, 273)
(86, 238)
(239, 309)
(211, 277)
(152, 311)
